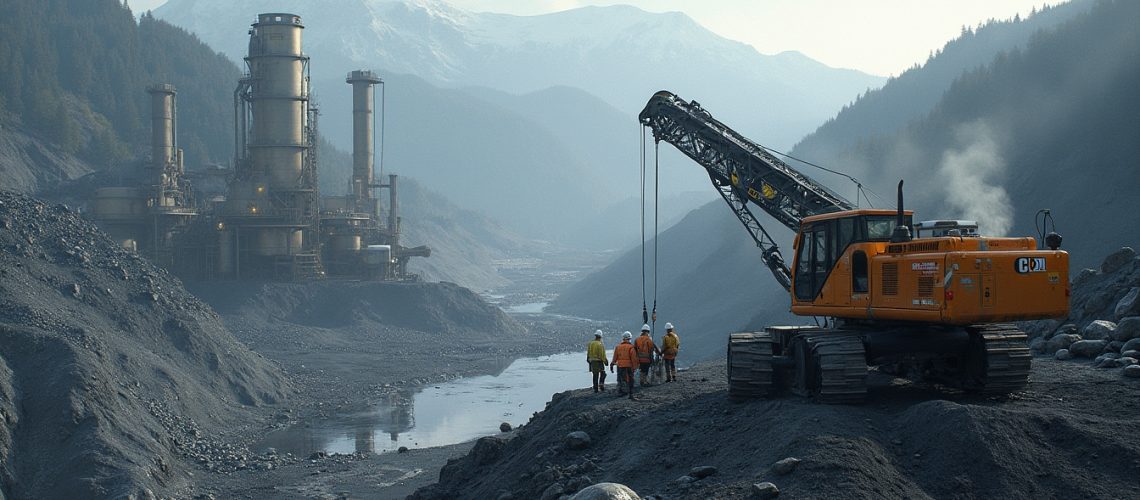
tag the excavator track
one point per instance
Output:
(840, 368)
(749, 365)
(999, 360)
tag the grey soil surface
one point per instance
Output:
(337, 343)
(1068, 435)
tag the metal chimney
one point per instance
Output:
(163, 141)
(363, 150)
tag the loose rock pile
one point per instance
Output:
(1104, 322)
(111, 374)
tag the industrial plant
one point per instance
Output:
(270, 222)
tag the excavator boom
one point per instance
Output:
(742, 171)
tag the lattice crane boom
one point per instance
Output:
(742, 171)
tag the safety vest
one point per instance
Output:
(595, 351)
(624, 356)
(644, 349)
(670, 345)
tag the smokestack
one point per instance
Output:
(363, 150)
(163, 143)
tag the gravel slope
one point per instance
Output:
(110, 372)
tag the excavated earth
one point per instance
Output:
(113, 379)
(1069, 434)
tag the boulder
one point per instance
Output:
(1127, 329)
(505, 427)
(1132, 371)
(1126, 361)
(1129, 305)
(1117, 260)
(1037, 345)
(1131, 345)
(577, 440)
(1098, 330)
(765, 490)
(1088, 348)
(1063, 354)
(1130, 354)
(1041, 329)
(606, 491)
(703, 471)
(785, 466)
(552, 492)
(487, 449)
(1062, 341)
(1083, 276)
(1096, 303)
(1114, 346)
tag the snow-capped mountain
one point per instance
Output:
(618, 53)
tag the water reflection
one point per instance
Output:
(438, 415)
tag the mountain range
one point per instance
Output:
(531, 119)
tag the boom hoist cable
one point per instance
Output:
(648, 317)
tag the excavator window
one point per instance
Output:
(859, 272)
(814, 259)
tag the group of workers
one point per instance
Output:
(632, 355)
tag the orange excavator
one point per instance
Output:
(933, 299)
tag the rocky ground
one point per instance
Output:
(1065, 436)
(347, 345)
(112, 376)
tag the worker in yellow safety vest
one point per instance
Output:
(596, 358)
(645, 351)
(670, 345)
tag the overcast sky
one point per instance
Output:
(882, 37)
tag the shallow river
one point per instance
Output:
(442, 414)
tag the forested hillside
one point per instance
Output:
(1052, 125)
(73, 73)
(912, 94)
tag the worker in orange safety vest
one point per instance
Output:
(625, 359)
(645, 351)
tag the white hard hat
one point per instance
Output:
(645, 327)
(668, 326)
(627, 335)
(597, 333)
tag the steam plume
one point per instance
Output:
(970, 177)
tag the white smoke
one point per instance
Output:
(970, 175)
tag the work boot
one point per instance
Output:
(595, 388)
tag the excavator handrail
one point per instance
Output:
(742, 171)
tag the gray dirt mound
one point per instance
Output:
(108, 367)
(444, 308)
(1055, 440)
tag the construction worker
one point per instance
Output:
(625, 359)
(645, 350)
(670, 345)
(596, 357)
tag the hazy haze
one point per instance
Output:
(889, 36)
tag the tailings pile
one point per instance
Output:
(110, 372)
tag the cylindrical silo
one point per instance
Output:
(162, 140)
(279, 97)
(363, 151)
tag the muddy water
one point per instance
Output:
(443, 414)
